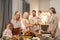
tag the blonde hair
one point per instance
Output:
(14, 16)
(25, 13)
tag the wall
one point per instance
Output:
(44, 5)
(34, 4)
(16, 5)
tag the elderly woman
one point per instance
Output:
(53, 21)
(16, 21)
(25, 21)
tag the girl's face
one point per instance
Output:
(8, 26)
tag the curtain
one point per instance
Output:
(5, 13)
(26, 6)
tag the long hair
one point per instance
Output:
(14, 16)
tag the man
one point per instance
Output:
(34, 22)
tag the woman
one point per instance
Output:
(26, 20)
(53, 21)
(16, 21)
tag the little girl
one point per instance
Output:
(8, 31)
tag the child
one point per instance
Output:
(8, 32)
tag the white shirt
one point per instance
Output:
(16, 24)
(22, 25)
(7, 32)
(23, 22)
